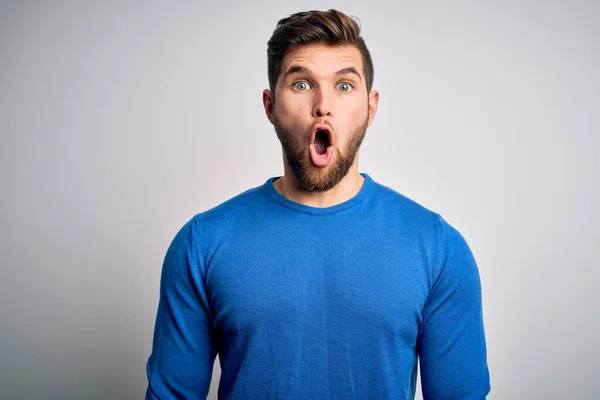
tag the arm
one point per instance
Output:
(451, 340)
(183, 351)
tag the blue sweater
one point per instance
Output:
(302, 302)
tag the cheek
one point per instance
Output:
(290, 112)
(353, 114)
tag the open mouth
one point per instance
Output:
(321, 147)
(322, 141)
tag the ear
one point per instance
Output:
(373, 103)
(268, 103)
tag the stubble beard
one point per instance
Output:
(310, 177)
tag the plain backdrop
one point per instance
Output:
(121, 120)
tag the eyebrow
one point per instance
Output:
(298, 69)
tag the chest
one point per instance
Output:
(350, 280)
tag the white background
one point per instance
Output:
(121, 120)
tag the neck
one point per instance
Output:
(346, 189)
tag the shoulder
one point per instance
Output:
(420, 226)
(405, 211)
(236, 208)
(238, 203)
(204, 231)
(399, 205)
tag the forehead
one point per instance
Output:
(323, 59)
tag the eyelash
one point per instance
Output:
(309, 84)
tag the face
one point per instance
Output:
(321, 111)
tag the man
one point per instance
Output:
(322, 283)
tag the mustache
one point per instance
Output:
(324, 123)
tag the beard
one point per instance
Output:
(312, 178)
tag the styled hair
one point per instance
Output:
(330, 27)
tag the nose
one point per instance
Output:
(323, 104)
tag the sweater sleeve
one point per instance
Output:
(451, 339)
(183, 350)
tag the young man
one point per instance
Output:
(322, 283)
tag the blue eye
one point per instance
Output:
(301, 85)
(344, 87)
